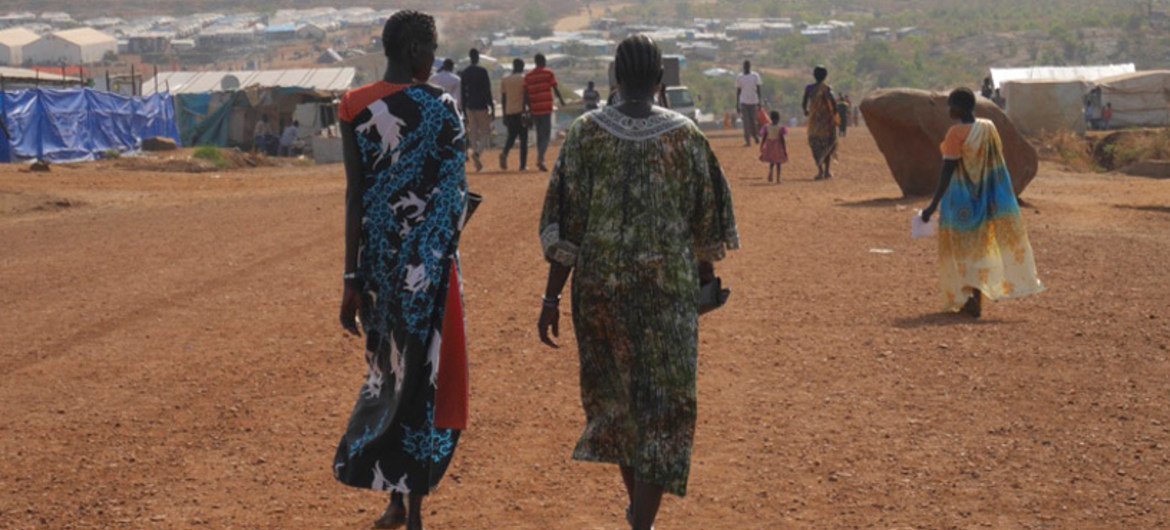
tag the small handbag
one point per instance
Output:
(712, 296)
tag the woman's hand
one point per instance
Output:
(351, 303)
(928, 212)
(706, 272)
(550, 318)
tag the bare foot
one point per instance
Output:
(974, 306)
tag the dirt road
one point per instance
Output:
(169, 358)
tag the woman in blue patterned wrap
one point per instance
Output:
(406, 204)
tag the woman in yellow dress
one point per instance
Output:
(983, 247)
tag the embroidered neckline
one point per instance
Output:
(638, 129)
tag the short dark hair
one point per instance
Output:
(518, 65)
(448, 64)
(473, 55)
(820, 73)
(540, 59)
(406, 27)
(775, 116)
(963, 99)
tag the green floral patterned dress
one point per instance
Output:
(632, 205)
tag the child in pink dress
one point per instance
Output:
(773, 146)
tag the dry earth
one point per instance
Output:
(169, 358)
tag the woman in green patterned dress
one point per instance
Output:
(638, 210)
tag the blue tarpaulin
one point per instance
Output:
(79, 124)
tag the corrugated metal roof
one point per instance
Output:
(29, 75)
(321, 79)
(17, 37)
(84, 36)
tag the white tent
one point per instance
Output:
(12, 43)
(1139, 100)
(1038, 107)
(319, 79)
(999, 76)
(71, 46)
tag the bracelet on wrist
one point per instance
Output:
(551, 302)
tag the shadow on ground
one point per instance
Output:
(1147, 208)
(883, 202)
(947, 319)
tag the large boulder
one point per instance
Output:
(909, 125)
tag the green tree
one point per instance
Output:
(535, 21)
(791, 50)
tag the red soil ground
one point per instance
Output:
(170, 357)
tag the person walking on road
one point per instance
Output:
(774, 146)
(514, 99)
(478, 107)
(983, 248)
(404, 163)
(447, 80)
(843, 110)
(591, 97)
(748, 94)
(637, 210)
(541, 84)
(820, 106)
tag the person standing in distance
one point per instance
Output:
(514, 98)
(478, 106)
(541, 84)
(591, 97)
(446, 79)
(748, 94)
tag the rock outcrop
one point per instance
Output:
(908, 126)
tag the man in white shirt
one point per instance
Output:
(288, 138)
(747, 93)
(449, 81)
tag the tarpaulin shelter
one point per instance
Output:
(1038, 107)
(999, 76)
(222, 108)
(77, 125)
(1140, 99)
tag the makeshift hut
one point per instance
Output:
(222, 108)
(1140, 99)
(999, 76)
(1038, 107)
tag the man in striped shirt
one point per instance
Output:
(541, 84)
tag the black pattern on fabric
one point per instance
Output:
(632, 205)
(415, 196)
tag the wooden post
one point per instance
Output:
(133, 85)
(156, 79)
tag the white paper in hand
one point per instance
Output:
(920, 229)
